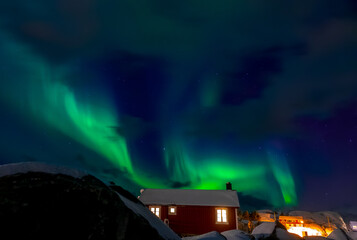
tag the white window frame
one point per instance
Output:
(220, 214)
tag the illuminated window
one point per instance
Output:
(155, 210)
(172, 210)
(221, 215)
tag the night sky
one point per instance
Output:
(187, 94)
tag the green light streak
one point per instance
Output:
(86, 123)
(38, 89)
(177, 163)
(249, 175)
(211, 92)
(283, 176)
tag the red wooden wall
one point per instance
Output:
(197, 219)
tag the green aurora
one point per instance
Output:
(48, 99)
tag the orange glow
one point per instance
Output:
(300, 231)
(329, 231)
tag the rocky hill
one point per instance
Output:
(46, 202)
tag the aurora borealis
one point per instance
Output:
(186, 94)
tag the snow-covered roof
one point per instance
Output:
(24, 167)
(266, 228)
(339, 234)
(190, 197)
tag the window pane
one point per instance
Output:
(172, 210)
(152, 210)
(219, 215)
(224, 215)
(158, 212)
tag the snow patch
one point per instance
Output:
(208, 236)
(282, 234)
(353, 235)
(316, 238)
(339, 234)
(264, 228)
(236, 235)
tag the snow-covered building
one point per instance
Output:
(189, 211)
(297, 225)
(353, 225)
(266, 217)
(292, 221)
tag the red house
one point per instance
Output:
(190, 212)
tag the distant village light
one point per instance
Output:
(304, 231)
(353, 225)
(296, 225)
